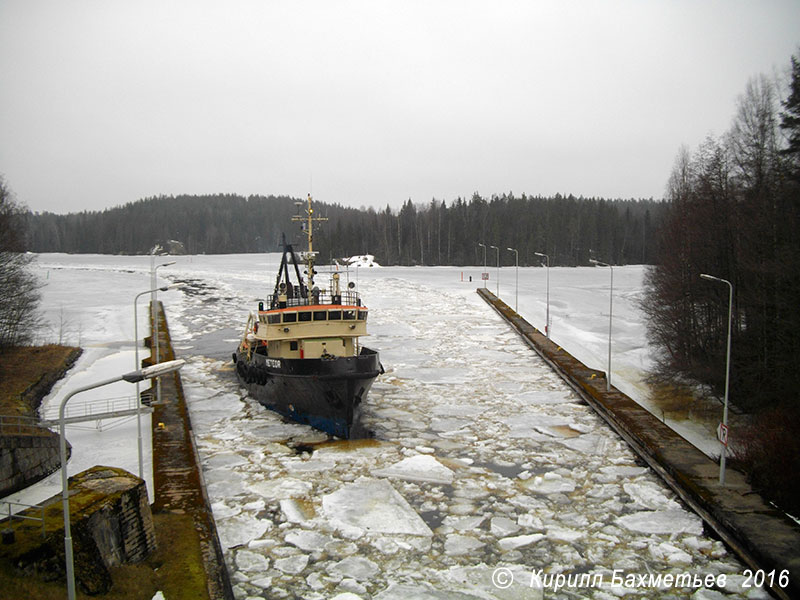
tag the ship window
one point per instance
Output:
(349, 315)
(305, 315)
(273, 319)
(362, 315)
(293, 345)
(290, 317)
(320, 315)
(334, 315)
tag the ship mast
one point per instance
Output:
(308, 226)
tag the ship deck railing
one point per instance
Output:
(347, 298)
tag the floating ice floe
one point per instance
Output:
(550, 483)
(310, 541)
(650, 495)
(456, 544)
(240, 529)
(292, 564)
(248, 561)
(418, 468)
(503, 527)
(546, 397)
(285, 487)
(372, 505)
(506, 582)
(463, 523)
(262, 582)
(589, 443)
(223, 511)
(355, 567)
(347, 596)
(311, 465)
(670, 554)
(623, 471)
(440, 375)
(518, 541)
(662, 521)
(564, 534)
(296, 511)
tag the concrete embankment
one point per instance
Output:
(764, 538)
(178, 479)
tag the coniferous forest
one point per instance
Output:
(734, 214)
(437, 233)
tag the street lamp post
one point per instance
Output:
(516, 282)
(547, 316)
(723, 442)
(156, 328)
(132, 377)
(139, 366)
(610, 307)
(498, 269)
(484, 263)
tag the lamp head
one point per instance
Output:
(154, 371)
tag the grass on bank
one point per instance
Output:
(22, 367)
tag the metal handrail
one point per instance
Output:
(20, 425)
(347, 298)
(12, 516)
(92, 407)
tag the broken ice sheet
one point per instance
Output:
(372, 505)
(456, 544)
(649, 495)
(283, 487)
(296, 511)
(662, 521)
(310, 541)
(240, 529)
(249, 561)
(510, 543)
(356, 567)
(418, 468)
(589, 443)
(293, 564)
(550, 483)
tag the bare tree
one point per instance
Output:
(19, 289)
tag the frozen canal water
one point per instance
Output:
(481, 458)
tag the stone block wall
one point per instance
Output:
(26, 459)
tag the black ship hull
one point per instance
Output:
(325, 393)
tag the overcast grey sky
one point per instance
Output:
(369, 103)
